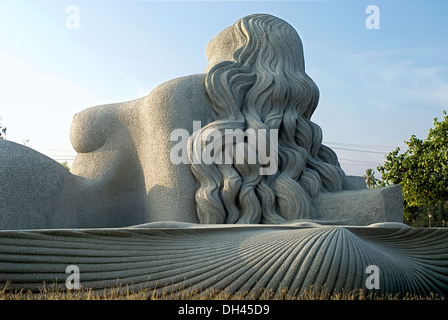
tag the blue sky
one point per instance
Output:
(378, 86)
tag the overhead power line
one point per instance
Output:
(69, 155)
(359, 162)
(358, 150)
(361, 145)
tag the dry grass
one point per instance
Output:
(57, 292)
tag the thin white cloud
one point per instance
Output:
(386, 80)
(378, 98)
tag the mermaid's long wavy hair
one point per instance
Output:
(265, 86)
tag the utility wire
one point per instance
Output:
(61, 155)
(358, 150)
(358, 161)
(361, 145)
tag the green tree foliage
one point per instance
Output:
(370, 178)
(65, 165)
(2, 131)
(422, 169)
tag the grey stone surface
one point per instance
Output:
(354, 183)
(37, 192)
(361, 207)
(128, 145)
(34, 190)
(232, 258)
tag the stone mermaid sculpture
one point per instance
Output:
(124, 175)
(150, 202)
